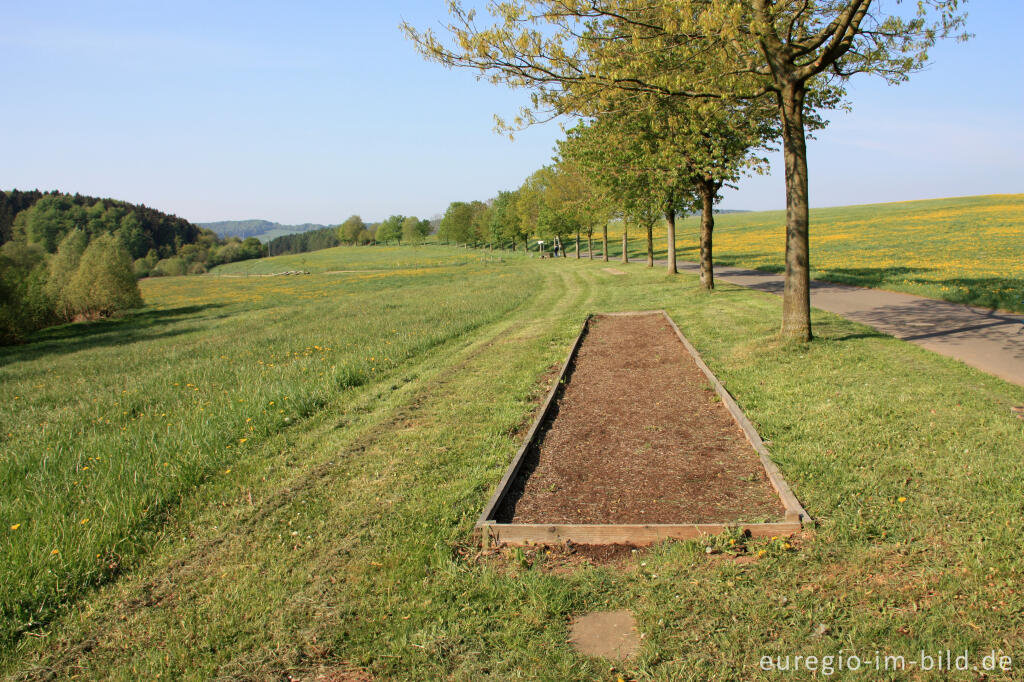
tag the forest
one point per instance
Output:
(65, 257)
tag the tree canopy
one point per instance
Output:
(578, 56)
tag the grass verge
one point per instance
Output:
(340, 546)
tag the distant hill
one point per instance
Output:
(264, 230)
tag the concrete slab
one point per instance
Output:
(606, 634)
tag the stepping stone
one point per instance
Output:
(607, 634)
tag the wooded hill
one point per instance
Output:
(66, 257)
(264, 230)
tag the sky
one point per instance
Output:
(312, 111)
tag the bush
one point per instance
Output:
(105, 281)
(170, 267)
(63, 267)
(24, 303)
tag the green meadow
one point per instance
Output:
(277, 477)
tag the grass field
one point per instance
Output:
(292, 467)
(966, 249)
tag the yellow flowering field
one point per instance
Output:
(965, 249)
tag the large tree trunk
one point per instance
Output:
(796, 296)
(577, 244)
(604, 242)
(670, 218)
(625, 243)
(707, 227)
(650, 245)
(590, 245)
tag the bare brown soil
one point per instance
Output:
(639, 436)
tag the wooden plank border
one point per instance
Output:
(531, 435)
(794, 510)
(489, 530)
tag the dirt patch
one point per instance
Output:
(608, 634)
(638, 436)
(613, 271)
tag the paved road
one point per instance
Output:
(992, 342)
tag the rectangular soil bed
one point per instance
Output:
(638, 442)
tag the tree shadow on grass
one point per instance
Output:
(997, 293)
(134, 326)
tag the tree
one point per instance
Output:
(62, 268)
(636, 170)
(411, 230)
(24, 303)
(504, 221)
(798, 53)
(104, 282)
(349, 230)
(457, 223)
(391, 229)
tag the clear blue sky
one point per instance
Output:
(311, 111)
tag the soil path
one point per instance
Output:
(638, 436)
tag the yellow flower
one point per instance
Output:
(902, 500)
(16, 526)
(83, 522)
(56, 551)
(242, 440)
(227, 471)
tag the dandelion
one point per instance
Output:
(227, 471)
(83, 522)
(902, 500)
(242, 440)
(16, 526)
(56, 551)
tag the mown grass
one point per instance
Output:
(107, 425)
(965, 249)
(342, 544)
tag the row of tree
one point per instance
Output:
(354, 231)
(675, 100)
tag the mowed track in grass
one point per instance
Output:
(107, 425)
(965, 249)
(341, 546)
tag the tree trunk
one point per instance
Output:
(650, 245)
(707, 226)
(625, 243)
(590, 245)
(796, 296)
(604, 242)
(577, 244)
(670, 218)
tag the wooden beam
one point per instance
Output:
(794, 510)
(510, 476)
(600, 534)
